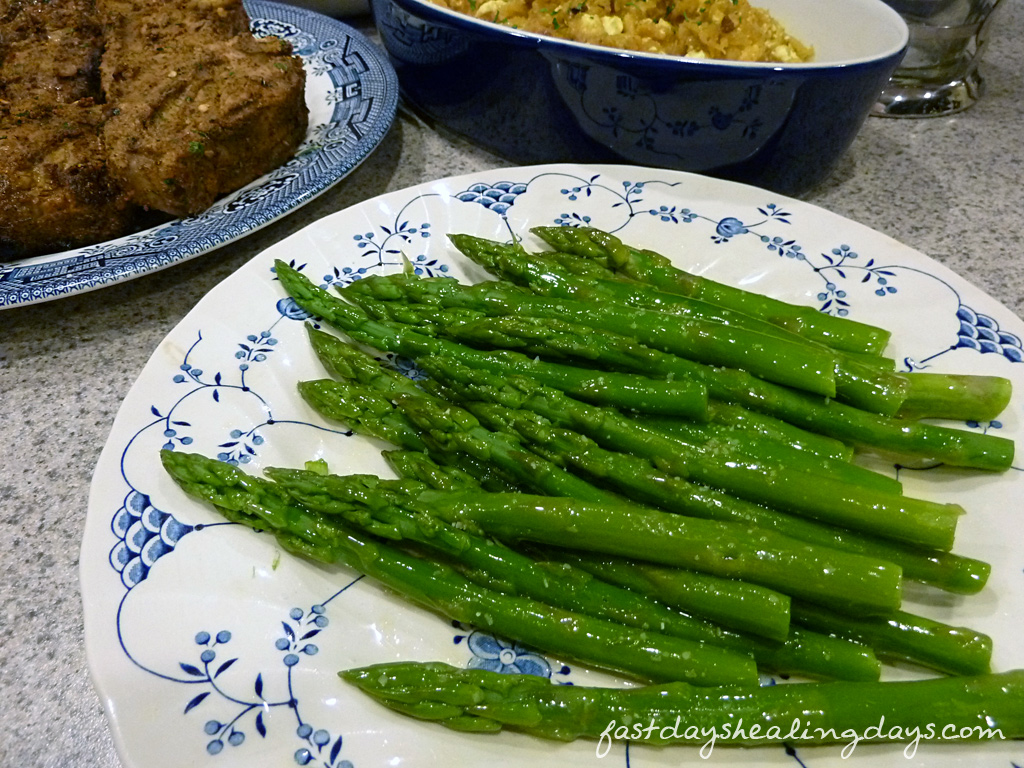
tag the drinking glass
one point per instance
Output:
(940, 74)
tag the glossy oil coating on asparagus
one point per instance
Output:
(914, 521)
(634, 476)
(821, 713)
(910, 442)
(653, 268)
(544, 419)
(438, 587)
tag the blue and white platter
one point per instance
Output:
(212, 647)
(352, 95)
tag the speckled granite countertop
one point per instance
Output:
(952, 188)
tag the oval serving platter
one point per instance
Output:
(209, 646)
(352, 95)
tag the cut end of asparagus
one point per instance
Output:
(955, 397)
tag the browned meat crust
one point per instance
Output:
(195, 108)
(137, 30)
(50, 51)
(54, 183)
(214, 118)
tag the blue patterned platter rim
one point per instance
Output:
(352, 95)
(211, 647)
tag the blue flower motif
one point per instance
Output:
(289, 309)
(241, 448)
(404, 366)
(788, 248)
(305, 627)
(719, 119)
(684, 127)
(318, 739)
(993, 424)
(496, 655)
(730, 227)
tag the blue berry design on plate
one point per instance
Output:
(247, 712)
(298, 631)
(242, 447)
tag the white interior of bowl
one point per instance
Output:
(842, 33)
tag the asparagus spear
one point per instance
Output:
(864, 381)
(345, 362)
(949, 396)
(817, 574)
(749, 445)
(728, 444)
(365, 408)
(780, 360)
(373, 414)
(907, 442)
(744, 420)
(913, 521)
(751, 442)
(645, 655)
(905, 637)
(639, 480)
(595, 593)
(458, 430)
(770, 451)
(630, 392)
(449, 427)
(901, 637)
(924, 395)
(417, 465)
(822, 713)
(452, 432)
(498, 567)
(803, 652)
(649, 267)
(932, 522)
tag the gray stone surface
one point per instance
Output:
(952, 188)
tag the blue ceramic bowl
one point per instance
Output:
(534, 99)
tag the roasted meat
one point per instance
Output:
(135, 31)
(49, 51)
(203, 106)
(112, 107)
(54, 184)
(207, 120)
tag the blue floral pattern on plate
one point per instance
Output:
(353, 93)
(233, 645)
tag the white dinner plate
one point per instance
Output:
(211, 647)
(352, 95)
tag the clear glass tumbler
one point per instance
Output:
(940, 74)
